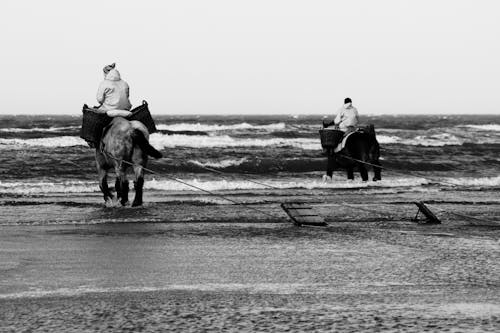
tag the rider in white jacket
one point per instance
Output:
(113, 92)
(347, 118)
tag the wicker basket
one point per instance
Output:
(142, 114)
(330, 138)
(92, 124)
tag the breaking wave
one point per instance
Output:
(488, 127)
(436, 140)
(481, 181)
(58, 141)
(178, 140)
(161, 140)
(30, 188)
(220, 164)
(38, 129)
(198, 127)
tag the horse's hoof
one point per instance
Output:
(136, 204)
(124, 203)
(376, 179)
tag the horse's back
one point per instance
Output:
(120, 124)
(121, 127)
(117, 139)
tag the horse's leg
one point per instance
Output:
(103, 185)
(117, 186)
(102, 173)
(363, 172)
(118, 189)
(350, 172)
(377, 171)
(374, 159)
(121, 172)
(138, 185)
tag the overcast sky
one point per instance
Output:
(230, 57)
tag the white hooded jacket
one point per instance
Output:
(113, 92)
(347, 118)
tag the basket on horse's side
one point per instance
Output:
(330, 138)
(142, 114)
(92, 124)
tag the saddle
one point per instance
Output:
(335, 140)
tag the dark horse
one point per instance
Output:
(124, 145)
(361, 147)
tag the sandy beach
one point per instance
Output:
(183, 265)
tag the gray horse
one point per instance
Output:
(125, 144)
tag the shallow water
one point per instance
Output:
(265, 277)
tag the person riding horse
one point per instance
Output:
(360, 146)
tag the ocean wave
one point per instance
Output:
(58, 141)
(38, 129)
(199, 127)
(475, 182)
(209, 185)
(220, 164)
(487, 127)
(436, 140)
(29, 188)
(229, 185)
(161, 141)
(67, 187)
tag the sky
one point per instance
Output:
(254, 57)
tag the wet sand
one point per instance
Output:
(67, 264)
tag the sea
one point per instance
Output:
(44, 154)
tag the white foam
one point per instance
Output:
(487, 127)
(436, 140)
(161, 141)
(221, 185)
(59, 141)
(221, 163)
(28, 188)
(210, 141)
(212, 128)
(37, 129)
(229, 185)
(48, 187)
(482, 181)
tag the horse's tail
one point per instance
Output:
(139, 138)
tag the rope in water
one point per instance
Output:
(463, 215)
(274, 187)
(198, 188)
(246, 178)
(439, 182)
(349, 205)
(400, 172)
(278, 188)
